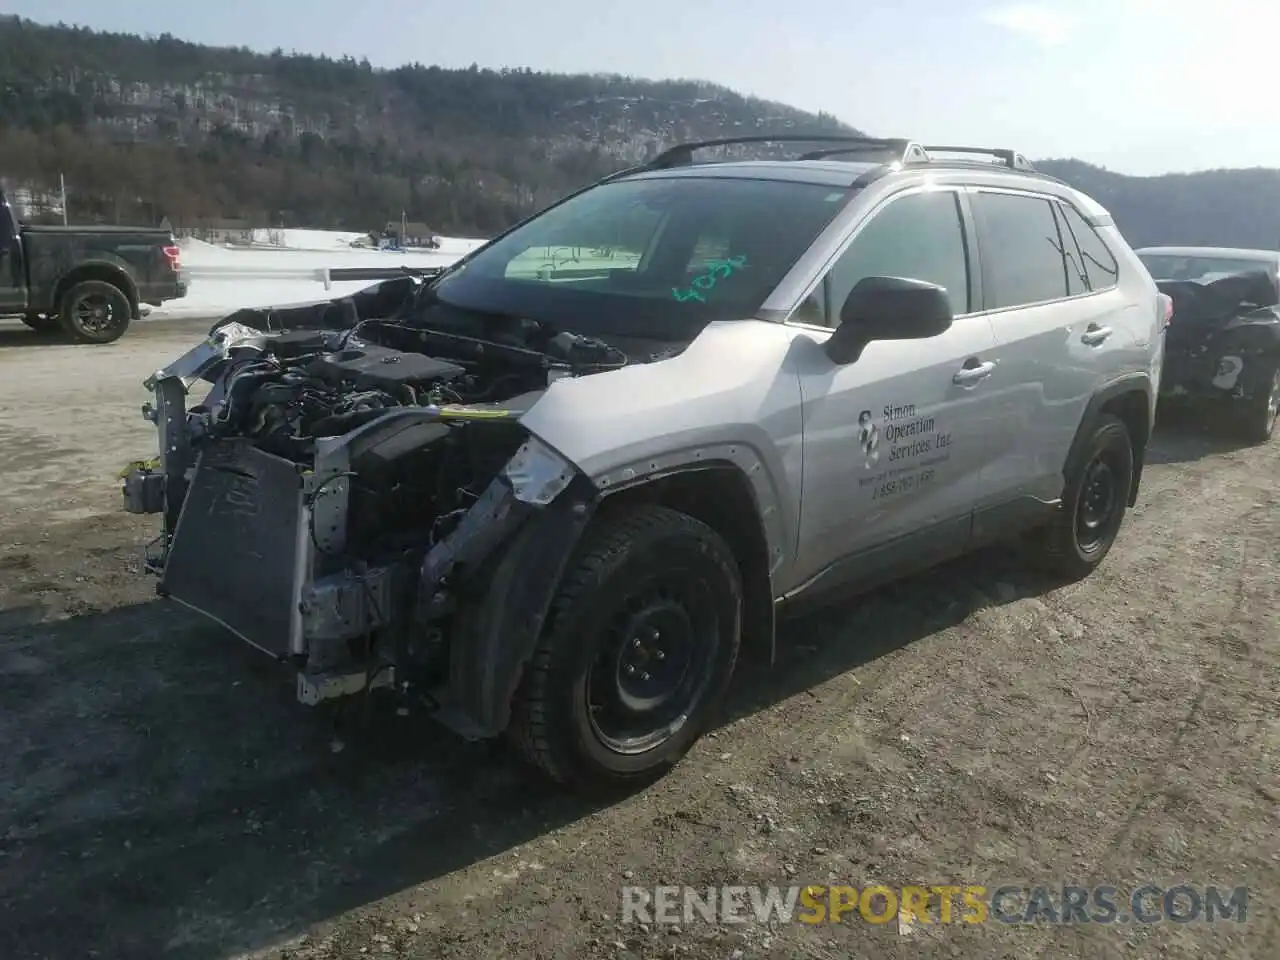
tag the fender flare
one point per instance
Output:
(1129, 383)
(497, 629)
(91, 270)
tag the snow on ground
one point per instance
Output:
(223, 279)
(341, 240)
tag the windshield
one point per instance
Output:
(1170, 267)
(656, 258)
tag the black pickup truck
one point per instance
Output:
(86, 282)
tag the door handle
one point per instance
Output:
(1095, 335)
(967, 374)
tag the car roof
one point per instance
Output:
(1213, 253)
(858, 161)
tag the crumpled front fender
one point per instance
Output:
(496, 632)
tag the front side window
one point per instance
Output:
(1022, 251)
(919, 236)
(656, 257)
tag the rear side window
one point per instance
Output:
(1099, 265)
(1022, 252)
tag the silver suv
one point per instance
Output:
(554, 489)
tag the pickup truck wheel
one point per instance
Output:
(1093, 504)
(1261, 411)
(638, 652)
(95, 312)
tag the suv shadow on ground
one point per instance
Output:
(172, 797)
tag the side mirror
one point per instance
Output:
(888, 308)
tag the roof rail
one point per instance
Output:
(901, 151)
(1010, 158)
(893, 150)
(682, 153)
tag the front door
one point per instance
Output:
(894, 443)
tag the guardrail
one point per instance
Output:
(325, 275)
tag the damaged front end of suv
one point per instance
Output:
(1223, 349)
(356, 495)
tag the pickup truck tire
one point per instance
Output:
(1094, 500)
(1259, 413)
(94, 311)
(637, 654)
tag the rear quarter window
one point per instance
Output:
(1099, 264)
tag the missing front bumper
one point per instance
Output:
(241, 551)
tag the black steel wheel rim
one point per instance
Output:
(1099, 500)
(1273, 400)
(95, 313)
(655, 662)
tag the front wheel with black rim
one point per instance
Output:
(94, 311)
(1261, 411)
(637, 654)
(1094, 500)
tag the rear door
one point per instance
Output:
(1054, 333)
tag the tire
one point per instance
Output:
(94, 311)
(1259, 413)
(1094, 501)
(651, 590)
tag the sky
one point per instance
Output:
(1138, 86)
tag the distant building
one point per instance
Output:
(29, 203)
(415, 234)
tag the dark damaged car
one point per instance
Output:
(1222, 350)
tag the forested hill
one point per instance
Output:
(157, 127)
(1227, 208)
(203, 133)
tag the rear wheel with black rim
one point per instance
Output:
(638, 652)
(1093, 504)
(95, 311)
(1262, 410)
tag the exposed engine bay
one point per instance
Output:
(349, 469)
(412, 474)
(1223, 342)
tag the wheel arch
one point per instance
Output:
(495, 636)
(719, 494)
(1131, 400)
(103, 271)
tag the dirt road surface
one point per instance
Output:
(164, 795)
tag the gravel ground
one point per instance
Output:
(164, 795)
